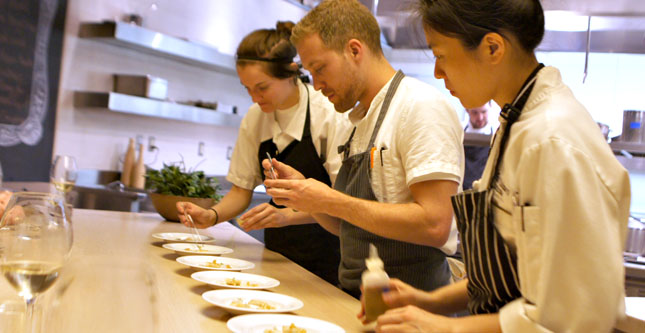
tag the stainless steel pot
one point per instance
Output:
(633, 126)
(635, 237)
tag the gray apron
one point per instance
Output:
(423, 267)
(490, 265)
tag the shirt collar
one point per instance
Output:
(297, 122)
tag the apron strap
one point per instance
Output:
(344, 149)
(386, 105)
(511, 112)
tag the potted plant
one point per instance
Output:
(173, 183)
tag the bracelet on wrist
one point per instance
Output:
(216, 215)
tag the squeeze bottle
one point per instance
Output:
(375, 282)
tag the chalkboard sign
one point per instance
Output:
(31, 36)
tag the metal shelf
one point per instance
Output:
(141, 106)
(477, 139)
(630, 147)
(149, 41)
(637, 149)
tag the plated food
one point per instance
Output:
(189, 249)
(182, 237)
(235, 280)
(280, 323)
(213, 262)
(252, 301)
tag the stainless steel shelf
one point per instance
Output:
(149, 41)
(630, 147)
(141, 106)
(476, 139)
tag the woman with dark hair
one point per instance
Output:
(543, 230)
(290, 122)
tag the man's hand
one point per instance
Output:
(308, 195)
(282, 171)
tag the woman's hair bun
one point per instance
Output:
(284, 28)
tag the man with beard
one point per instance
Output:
(401, 162)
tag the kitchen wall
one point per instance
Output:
(97, 137)
(614, 81)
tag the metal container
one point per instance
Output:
(635, 237)
(633, 126)
(141, 85)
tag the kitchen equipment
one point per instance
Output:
(141, 85)
(633, 126)
(635, 237)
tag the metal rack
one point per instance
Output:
(149, 41)
(148, 107)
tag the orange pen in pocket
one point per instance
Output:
(372, 157)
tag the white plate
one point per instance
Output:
(182, 237)
(225, 297)
(257, 323)
(202, 261)
(218, 278)
(203, 249)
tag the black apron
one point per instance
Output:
(308, 245)
(475, 162)
(423, 267)
(490, 265)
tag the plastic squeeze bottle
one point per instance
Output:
(375, 282)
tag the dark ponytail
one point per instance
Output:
(470, 20)
(272, 49)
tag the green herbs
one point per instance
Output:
(174, 180)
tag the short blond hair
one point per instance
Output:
(338, 21)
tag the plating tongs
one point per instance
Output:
(199, 237)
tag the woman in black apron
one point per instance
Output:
(266, 69)
(484, 50)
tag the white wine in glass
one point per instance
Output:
(63, 173)
(35, 241)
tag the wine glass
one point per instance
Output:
(63, 173)
(35, 240)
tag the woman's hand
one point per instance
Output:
(203, 218)
(412, 319)
(263, 216)
(402, 294)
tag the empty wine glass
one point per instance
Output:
(35, 241)
(63, 173)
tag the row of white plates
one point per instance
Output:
(203, 256)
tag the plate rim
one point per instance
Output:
(246, 291)
(228, 249)
(277, 282)
(251, 264)
(157, 236)
(247, 318)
